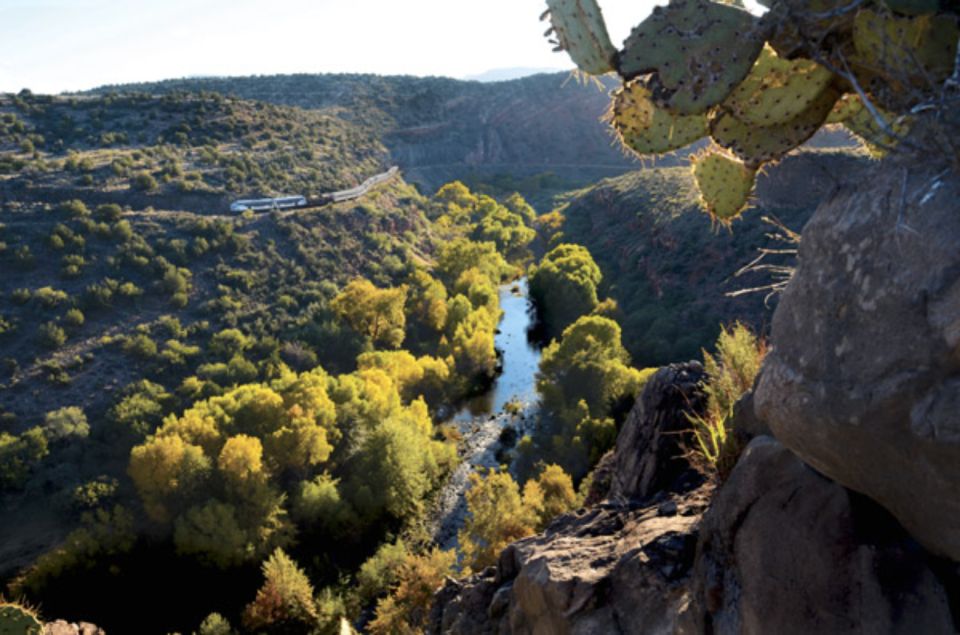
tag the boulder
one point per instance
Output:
(784, 550)
(863, 381)
(610, 569)
(651, 449)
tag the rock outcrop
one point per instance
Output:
(863, 382)
(650, 452)
(597, 570)
(785, 550)
(778, 548)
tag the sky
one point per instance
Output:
(51, 46)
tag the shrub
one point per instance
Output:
(51, 335)
(730, 373)
(95, 494)
(74, 318)
(66, 423)
(145, 182)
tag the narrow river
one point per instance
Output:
(482, 419)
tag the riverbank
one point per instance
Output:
(483, 419)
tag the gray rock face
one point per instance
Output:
(649, 455)
(607, 570)
(863, 382)
(784, 550)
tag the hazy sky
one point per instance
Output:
(57, 45)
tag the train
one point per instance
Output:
(297, 202)
(268, 204)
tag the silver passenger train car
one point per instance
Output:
(268, 204)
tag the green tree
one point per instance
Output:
(564, 286)
(285, 602)
(66, 423)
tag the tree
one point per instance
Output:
(66, 423)
(550, 494)
(496, 516)
(375, 313)
(241, 462)
(407, 608)
(285, 602)
(564, 286)
(426, 301)
(213, 533)
(583, 377)
(461, 254)
(167, 473)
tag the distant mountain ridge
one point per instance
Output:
(438, 129)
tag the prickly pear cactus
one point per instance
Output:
(855, 117)
(580, 31)
(756, 145)
(777, 90)
(699, 50)
(725, 185)
(766, 85)
(18, 620)
(647, 129)
(903, 50)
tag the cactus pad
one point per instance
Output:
(759, 144)
(699, 50)
(777, 90)
(647, 129)
(725, 185)
(901, 49)
(858, 120)
(18, 620)
(580, 31)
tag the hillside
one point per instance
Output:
(439, 129)
(670, 270)
(178, 151)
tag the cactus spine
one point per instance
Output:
(724, 183)
(647, 129)
(698, 50)
(16, 619)
(580, 31)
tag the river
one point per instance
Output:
(482, 419)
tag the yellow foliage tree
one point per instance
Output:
(285, 602)
(166, 472)
(496, 516)
(407, 608)
(373, 312)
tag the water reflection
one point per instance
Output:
(520, 358)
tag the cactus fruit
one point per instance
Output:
(725, 185)
(580, 31)
(777, 90)
(18, 620)
(699, 50)
(758, 144)
(905, 50)
(647, 129)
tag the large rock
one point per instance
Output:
(610, 569)
(651, 449)
(784, 550)
(863, 382)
